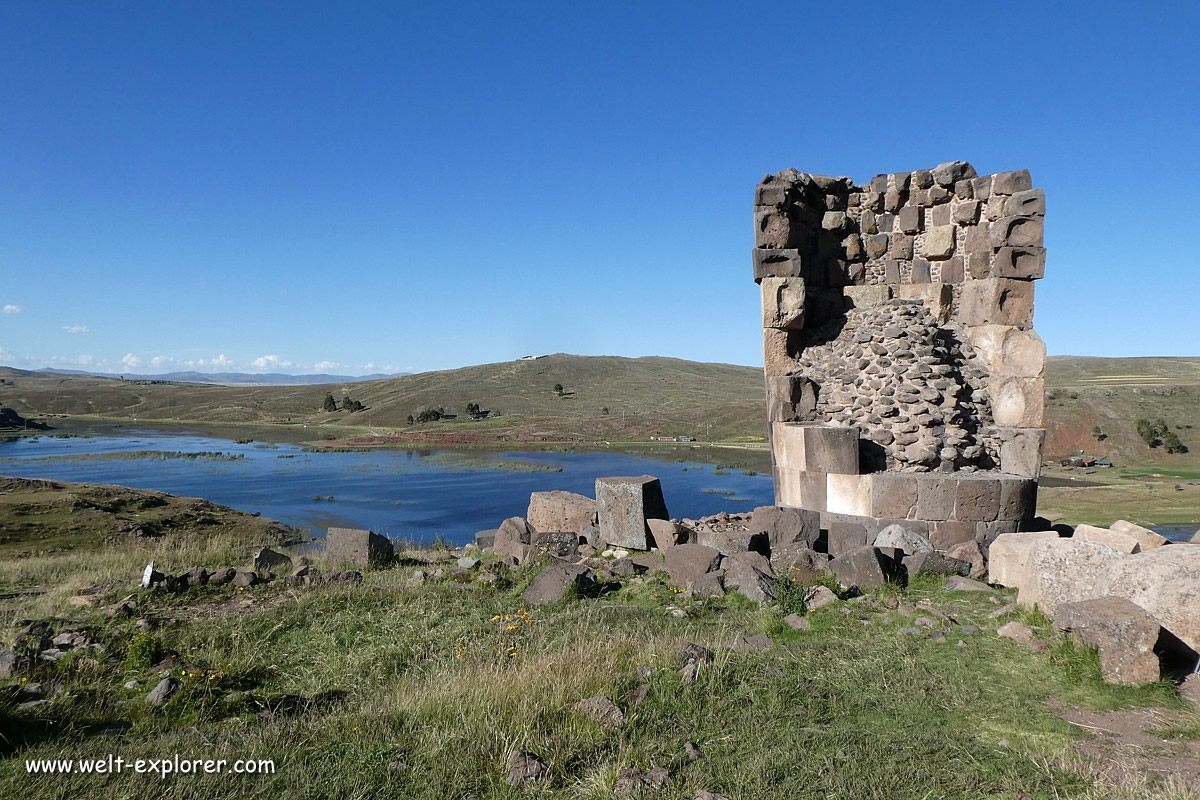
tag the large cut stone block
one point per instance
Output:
(999, 301)
(1065, 571)
(935, 498)
(867, 296)
(1121, 542)
(787, 525)
(800, 488)
(775, 229)
(1012, 182)
(783, 303)
(1008, 351)
(816, 448)
(1016, 232)
(977, 498)
(778, 351)
(1165, 582)
(894, 496)
(1025, 263)
(1147, 539)
(790, 398)
(775, 263)
(1018, 498)
(938, 297)
(848, 494)
(1008, 556)
(867, 567)
(1018, 402)
(946, 534)
(355, 546)
(939, 242)
(845, 532)
(1021, 451)
(1031, 202)
(560, 511)
(625, 505)
(1129, 640)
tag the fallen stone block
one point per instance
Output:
(934, 563)
(555, 581)
(1065, 571)
(1165, 582)
(1121, 542)
(971, 553)
(514, 541)
(268, 560)
(355, 546)
(819, 597)
(866, 568)
(1017, 631)
(625, 503)
(799, 563)
(560, 511)
(1147, 539)
(751, 574)
(484, 540)
(957, 583)
(685, 563)
(902, 538)
(785, 526)
(730, 542)
(664, 533)
(1133, 646)
(1008, 556)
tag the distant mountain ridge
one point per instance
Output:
(263, 378)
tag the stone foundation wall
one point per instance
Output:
(899, 349)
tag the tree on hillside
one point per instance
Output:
(604, 411)
(352, 405)
(428, 414)
(330, 404)
(1172, 444)
(558, 389)
(410, 419)
(473, 409)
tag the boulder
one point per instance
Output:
(625, 503)
(1165, 581)
(634, 783)
(971, 553)
(799, 563)
(513, 541)
(730, 542)
(751, 574)
(560, 511)
(957, 583)
(13, 663)
(819, 597)
(784, 525)
(245, 579)
(356, 546)
(559, 544)
(268, 560)
(554, 582)
(685, 563)
(1017, 631)
(1133, 647)
(708, 585)
(1147, 539)
(196, 576)
(1065, 571)
(1121, 542)
(221, 576)
(664, 533)
(1008, 556)
(590, 534)
(934, 563)
(485, 539)
(866, 567)
(902, 538)
(151, 576)
(164, 691)
(603, 710)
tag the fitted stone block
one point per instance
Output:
(935, 498)
(1018, 402)
(848, 494)
(1008, 351)
(977, 499)
(1027, 203)
(966, 212)
(356, 546)
(868, 296)
(1121, 542)
(778, 348)
(938, 297)
(997, 301)
(1025, 263)
(783, 303)
(1021, 451)
(939, 242)
(911, 219)
(774, 263)
(816, 448)
(948, 533)
(894, 496)
(1018, 498)
(1011, 182)
(774, 228)
(790, 398)
(1016, 232)
(625, 503)
(799, 488)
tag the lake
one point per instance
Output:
(414, 494)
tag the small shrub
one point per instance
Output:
(144, 651)
(791, 595)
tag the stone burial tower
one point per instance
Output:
(904, 378)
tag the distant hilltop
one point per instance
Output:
(264, 378)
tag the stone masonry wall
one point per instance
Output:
(901, 310)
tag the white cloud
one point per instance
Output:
(6, 356)
(220, 362)
(269, 362)
(130, 361)
(161, 361)
(12, 309)
(72, 361)
(77, 329)
(321, 366)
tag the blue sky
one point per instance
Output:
(353, 187)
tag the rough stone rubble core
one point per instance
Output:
(904, 378)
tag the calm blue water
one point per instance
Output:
(412, 494)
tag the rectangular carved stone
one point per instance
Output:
(1012, 182)
(911, 219)
(877, 245)
(938, 215)
(783, 303)
(1018, 402)
(844, 532)
(939, 242)
(966, 213)
(952, 270)
(937, 297)
(935, 498)
(848, 494)
(977, 499)
(1008, 351)
(902, 246)
(1031, 202)
(775, 229)
(778, 346)
(1016, 232)
(356, 546)
(1025, 263)
(891, 271)
(1021, 451)
(868, 296)
(986, 532)
(817, 448)
(1018, 498)
(625, 503)
(920, 271)
(800, 488)
(982, 186)
(777, 264)
(1000, 301)
(894, 496)
(946, 533)
(790, 398)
